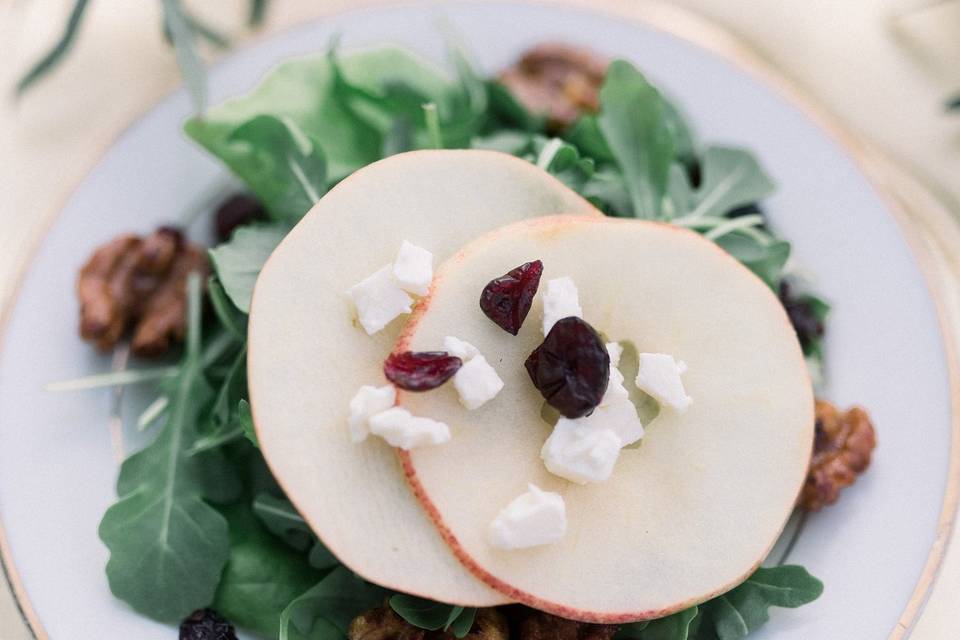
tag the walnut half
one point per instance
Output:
(557, 81)
(842, 447)
(543, 626)
(138, 283)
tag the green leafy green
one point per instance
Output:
(326, 609)
(309, 93)
(238, 261)
(433, 616)
(673, 627)
(245, 420)
(564, 161)
(744, 609)
(731, 178)
(283, 166)
(282, 520)
(764, 255)
(640, 139)
(262, 576)
(167, 545)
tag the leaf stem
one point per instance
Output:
(152, 412)
(113, 379)
(743, 222)
(433, 125)
(547, 154)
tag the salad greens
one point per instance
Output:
(200, 520)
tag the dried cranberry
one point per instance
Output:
(506, 300)
(206, 624)
(421, 371)
(571, 368)
(236, 211)
(803, 316)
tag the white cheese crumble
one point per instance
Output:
(460, 348)
(368, 402)
(402, 429)
(586, 449)
(413, 269)
(580, 451)
(560, 300)
(477, 382)
(378, 300)
(532, 519)
(659, 375)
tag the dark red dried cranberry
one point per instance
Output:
(806, 321)
(206, 624)
(506, 300)
(421, 371)
(236, 211)
(571, 368)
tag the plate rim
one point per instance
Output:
(708, 35)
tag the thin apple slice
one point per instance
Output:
(692, 511)
(307, 358)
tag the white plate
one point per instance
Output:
(57, 465)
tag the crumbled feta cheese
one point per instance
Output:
(616, 391)
(477, 382)
(620, 417)
(378, 300)
(534, 518)
(460, 348)
(580, 451)
(402, 429)
(413, 269)
(368, 402)
(659, 375)
(560, 300)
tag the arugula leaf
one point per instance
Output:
(228, 315)
(563, 160)
(167, 545)
(635, 129)
(306, 92)
(433, 616)
(510, 112)
(731, 178)
(238, 261)
(245, 419)
(261, 578)
(283, 521)
(516, 143)
(685, 147)
(280, 163)
(674, 627)
(586, 135)
(765, 256)
(736, 613)
(326, 609)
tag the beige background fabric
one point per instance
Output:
(884, 67)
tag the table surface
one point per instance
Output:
(883, 67)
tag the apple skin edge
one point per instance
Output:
(560, 225)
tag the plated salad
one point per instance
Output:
(506, 357)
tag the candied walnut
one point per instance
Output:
(543, 626)
(557, 81)
(383, 623)
(843, 443)
(138, 283)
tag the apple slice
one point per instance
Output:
(307, 358)
(692, 511)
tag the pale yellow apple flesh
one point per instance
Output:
(307, 357)
(692, 511)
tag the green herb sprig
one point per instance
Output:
(181, 28)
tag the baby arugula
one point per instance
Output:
(200, 521)
(168, 546)
(735, 614)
